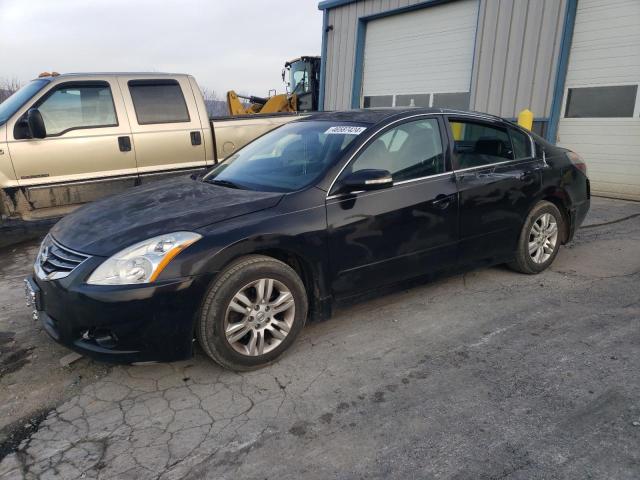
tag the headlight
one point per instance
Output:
(142, 262)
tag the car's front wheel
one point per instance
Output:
(252, 313)
(540, 239)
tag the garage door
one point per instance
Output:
(601, 110)
(422, 57)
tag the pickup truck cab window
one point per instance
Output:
(478, 144)
(286, 159)
(158, 101)
(84, 106)
(409, 151)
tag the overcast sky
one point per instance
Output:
(225, 44)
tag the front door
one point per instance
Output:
(82, 157)
(384, 236)
(165, 122)
(499, 178)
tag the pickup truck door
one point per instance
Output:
(87, 152)
(166, 125)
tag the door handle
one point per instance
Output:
(442, 202)
(196, 138)
(124, 143)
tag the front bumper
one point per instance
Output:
(123, 323)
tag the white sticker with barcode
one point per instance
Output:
(344, 130)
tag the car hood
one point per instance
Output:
(183, 204)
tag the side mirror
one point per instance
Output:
(366, 180)
(36, 124)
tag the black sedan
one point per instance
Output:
(321, 209)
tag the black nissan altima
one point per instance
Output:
(321, 209)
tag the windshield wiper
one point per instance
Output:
(226, 183)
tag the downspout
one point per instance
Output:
(561, 72)
(323, 59)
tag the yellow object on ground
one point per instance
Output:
(525, 119)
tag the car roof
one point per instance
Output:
(376, 115)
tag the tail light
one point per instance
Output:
(577, 161)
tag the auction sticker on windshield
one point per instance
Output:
(345, 130)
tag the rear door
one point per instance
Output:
(499, 179)
(165, 123)
(85, 154)
(380, 237)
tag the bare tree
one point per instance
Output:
(7, 87)
(215, 106)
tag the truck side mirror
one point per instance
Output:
(36, 124)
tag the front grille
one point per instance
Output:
(57, 261)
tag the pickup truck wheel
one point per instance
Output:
(252, 313)
(539, 239)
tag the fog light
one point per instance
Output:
(105, 338)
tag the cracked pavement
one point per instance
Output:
(486, 375)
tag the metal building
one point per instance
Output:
(574, 63)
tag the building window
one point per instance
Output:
(378, 101)
(158, 101)
(457, 101)
(601, 102)
(413, 100)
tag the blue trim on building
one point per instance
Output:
(561, 72)
(323, 60)
(326, 4)
(473, 57)
(358, 63)
(361, 34)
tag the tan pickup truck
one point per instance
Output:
(69, 139)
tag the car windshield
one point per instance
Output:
(288, 158)
(12, 104)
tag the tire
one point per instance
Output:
(233, 304)
(546, 245)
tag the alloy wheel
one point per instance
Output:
(543, 238)
(259, 317)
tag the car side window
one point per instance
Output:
(71, 107)
(478, 144)
(410, 150)
(521, 144)
(158, 101)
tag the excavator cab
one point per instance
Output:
(302, 77)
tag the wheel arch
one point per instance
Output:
(562, 201)
(309, 268)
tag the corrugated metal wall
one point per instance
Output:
(517, 45)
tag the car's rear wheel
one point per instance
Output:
(540, 239)
(252, 313)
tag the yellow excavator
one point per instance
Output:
(302, 77)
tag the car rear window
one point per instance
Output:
(158, 101)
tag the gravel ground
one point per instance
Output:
(486, 375)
